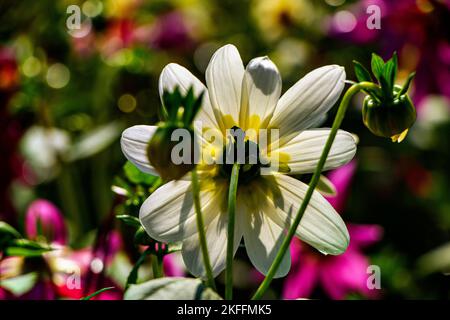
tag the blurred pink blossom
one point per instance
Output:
(337, 275)
(170, 31)
(44, 217)
(173, 266)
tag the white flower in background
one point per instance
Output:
(266, 204)
(43, 148)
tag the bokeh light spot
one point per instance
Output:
(97, 265)
(31, 67)
(345, 21)
(58, 76)
(335, 3)
(126, 103)
(92, 8)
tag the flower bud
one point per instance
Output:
(172, 148)
(391, 119)
(43, 219)
(171, 151)
(387, 109)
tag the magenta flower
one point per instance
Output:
(341, 179)
(43, 218)
(173, 265)
(63, 272)
(336, 275)
(170, 31)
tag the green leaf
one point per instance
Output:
(192, 106)
(437, 260)
(407, 84)
(171, 289)
(390, 71)
(326, 187)
(136, 176)
(7, 230)
(25, 248)
(188, 101)
(361, 72)
(21, 284)
(172, 101)
(129, 220)
(386, 88)
(94, 141)
(377, 66)
(89, 297)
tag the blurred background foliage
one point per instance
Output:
(66, 95)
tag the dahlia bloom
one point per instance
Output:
(249, 98)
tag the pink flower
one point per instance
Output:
(63, 272)
(170, 31)
(337, 275)
(342, 179)
(43, 218)
(87, 270)
(173, 266)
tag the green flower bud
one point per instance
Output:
(392, 119)
(161, 153)
(387, 109)
(172, 152)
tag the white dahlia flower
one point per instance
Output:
(249, 98)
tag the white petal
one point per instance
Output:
(134, 143)
(261, 89)
(175, 75)
(224, 80)
(216, 240)
(168, 215)
(321, 226)
(306, 102)
(262, 236)
(303, 152)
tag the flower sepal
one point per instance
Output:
(178, 113)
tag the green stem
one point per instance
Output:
(312, 185)
(133, 276)
(231, 222)
(201, 230)
(157, 266)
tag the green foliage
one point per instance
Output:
(12, 243)
(361, 72)
(25, 248)
(129, 220)
(96, 293)
(179, 108)
(136, 176)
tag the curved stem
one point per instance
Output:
(230, 237)
(201, 230)
(312, 185)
